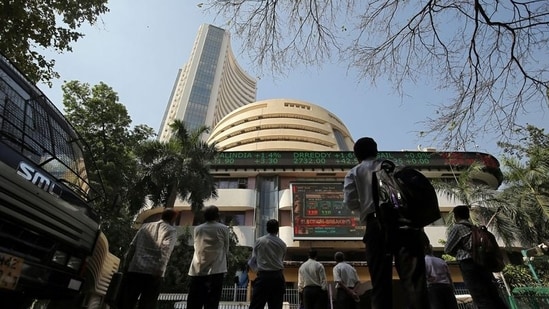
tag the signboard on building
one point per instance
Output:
(346, 159)
(319, 214)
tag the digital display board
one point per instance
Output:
(346, 159)
(319, 213)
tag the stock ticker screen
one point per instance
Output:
(318, 213)
(346, 159)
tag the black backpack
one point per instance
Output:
(485, 249)
(404, 196)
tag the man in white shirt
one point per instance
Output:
(209, 264)
(146, 262)
(268, 260)
(311, 281)
(346, 279)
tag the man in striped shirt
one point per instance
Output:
(146, 262)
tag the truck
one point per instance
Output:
(48, 228)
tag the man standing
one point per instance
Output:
(477, 279)
(346, 279)
(146, 262)
(311, 281)
(209, 264)
(383, 242)
(439, 282)
(268, 260)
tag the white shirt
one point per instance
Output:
(311, 273)
(211, 245)
(357, 188)
(345, 274)
(268, 253)
(152, 246)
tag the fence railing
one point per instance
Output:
(236, 298)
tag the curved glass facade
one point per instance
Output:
(210, 85)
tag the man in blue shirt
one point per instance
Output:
(439, 282)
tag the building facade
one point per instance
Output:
(286, 159)
(281, 124)
(269, 167)
(210, 85)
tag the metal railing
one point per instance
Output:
(236, 298)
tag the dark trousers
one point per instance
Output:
(481, 285)
(136, 284)
(343, 300)
(314, 297)
(205, 291)
(268, 288)
(441, 296)
(406, 246)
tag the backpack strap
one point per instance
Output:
(470, 236)
(375, 193)
(388, 166)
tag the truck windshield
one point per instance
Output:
(32, 125)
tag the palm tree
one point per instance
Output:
(484, 202)
(527, 184)
(527, 191)
(179, 167)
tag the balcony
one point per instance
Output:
(286, 233)
(436, 233)
(285, 199)
(228, 200)
(244, 233)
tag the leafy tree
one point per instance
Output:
(489, 54)
(104, 124)
(28, 27)
(179, 167)
(176, 279)
(527, 184)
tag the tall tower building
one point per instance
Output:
(210, 85)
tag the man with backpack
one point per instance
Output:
(385, 241)
(478, 279)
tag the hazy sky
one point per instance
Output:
(138, 47)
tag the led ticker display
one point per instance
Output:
(345, 159)
(319, 213)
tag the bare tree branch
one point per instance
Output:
(491, 54)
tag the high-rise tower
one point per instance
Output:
(210, 85)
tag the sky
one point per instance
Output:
(139, 46)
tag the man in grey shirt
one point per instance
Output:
(209, 264)
(267, 259)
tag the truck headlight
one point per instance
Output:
(59, 257)
(74, 263)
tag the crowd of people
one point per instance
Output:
(425, 279)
